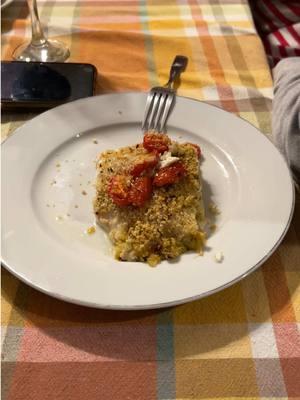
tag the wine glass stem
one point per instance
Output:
(38, 37)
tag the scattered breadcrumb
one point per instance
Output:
(219, 257)
(153, 260)
(59, 218)
(212, 227)
(47, 205)
(95, 141)
(76, 206)
(53, 182)
(68, 215)
(84, 192)
(91, 230)
(88, 182)
(53, 206)
(58, 165)
(213, 208)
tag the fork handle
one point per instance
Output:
(178, 66)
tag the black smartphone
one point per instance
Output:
(40, 85)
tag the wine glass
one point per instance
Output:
(40, 48)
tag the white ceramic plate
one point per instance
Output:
(44, 243)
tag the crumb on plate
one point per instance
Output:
(213, 208)
(212, 227)
(91, 230)
(219, 257)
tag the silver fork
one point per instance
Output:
(161, 98)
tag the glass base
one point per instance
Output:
(49, 51)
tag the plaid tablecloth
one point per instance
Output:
(243, 342)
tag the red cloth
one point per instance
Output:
(278, 23)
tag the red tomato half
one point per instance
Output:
(157, 142)
(118, 190)
(140, 191)
(171, 174)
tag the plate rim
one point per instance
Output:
(158, 305)
(173, 302)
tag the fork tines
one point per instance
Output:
(159, 102)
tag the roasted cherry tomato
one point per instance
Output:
(171, 174)
(157, 142)
(144, 163)
(118, 190)
(197, 149)
(140, 191)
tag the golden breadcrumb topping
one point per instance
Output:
(170, 223)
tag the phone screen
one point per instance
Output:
(45, 84)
